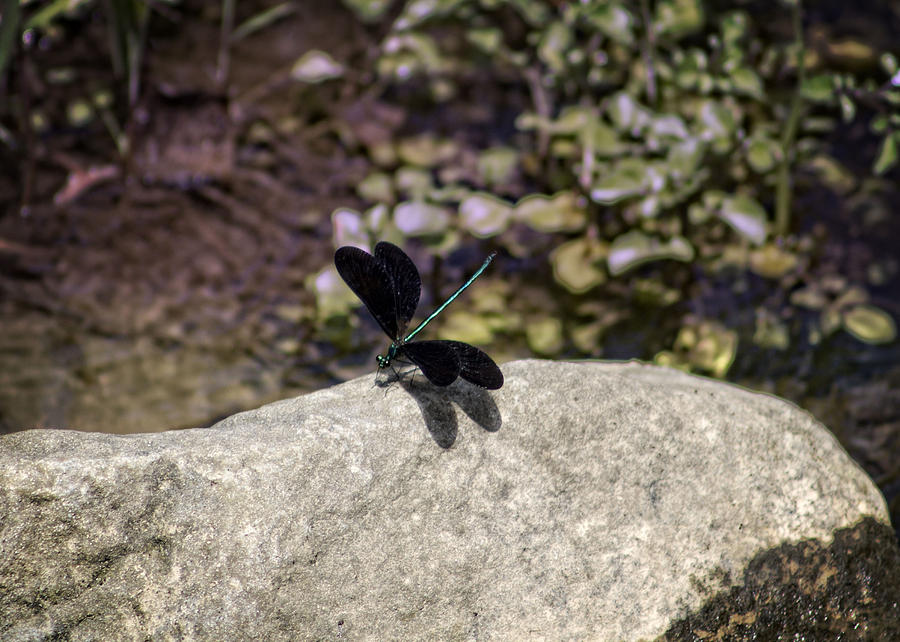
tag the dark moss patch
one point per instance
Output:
(848, 590)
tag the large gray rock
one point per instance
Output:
(581, 501)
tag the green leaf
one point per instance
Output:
(887, 155)
(706, 345)
(425, 150)
(684, 158)
(378, 222)
(634, 248)
(418, 11)
(577, 264)
(612, 20)
(414, 182)
(630, 177)
(409, 53)
(545, 336)
(627, 115)
(79, 112)
(771, 332)
(316, 66)
(368, 10)
(587, 337)
(714, 348)
(833, 173)
(484, 214)
(44, 18)
(869, 324)
(668, 126)
(818, 88)
(889, 63)
(376, 187)
(497, 164)
(576, 121)
(463, 325)
(734, 26)
(811, 297)
(561, 212)
(348, 228)
(572, 120)
(747, 82)
(534, 12)
(772, 261)
(762, 153)
(690, 67)
(678, 18)
(716, 123)
(603, 139)
(333, 297)
(556, 42)
(652, 291)
(452, 193)
(259, 21)
(487, 39)
(848, 107)
(746, 216)
(416, 218)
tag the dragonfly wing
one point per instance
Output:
(372, 283)
(437, 360)
(476, 367)
(407, 283)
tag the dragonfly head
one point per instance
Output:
(384, 360)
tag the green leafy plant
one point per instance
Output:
(681, 125)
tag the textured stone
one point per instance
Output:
(580, 501)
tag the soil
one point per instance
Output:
(166, 288)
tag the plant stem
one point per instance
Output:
(225, 35)
(783, 194)
(648, 45)
(9, 32)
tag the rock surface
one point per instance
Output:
(581, 501)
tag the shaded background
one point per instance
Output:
(171, 204)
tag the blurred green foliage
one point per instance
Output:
(661, 134)
(658, 132)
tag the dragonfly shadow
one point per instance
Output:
(436, 405)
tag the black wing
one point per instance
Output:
(372, 283)
(407, 283)
(436, 359)
(475, 366)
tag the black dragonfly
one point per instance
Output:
(388, 283)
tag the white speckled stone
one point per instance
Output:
(582, 500)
